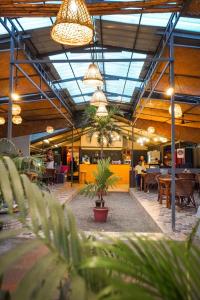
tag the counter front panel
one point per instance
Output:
(121, 171)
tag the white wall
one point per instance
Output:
(22, 143)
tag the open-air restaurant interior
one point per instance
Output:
(99, 149)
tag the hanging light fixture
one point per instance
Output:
(16, 109)
(49, 129)
(17, 120)
(73, 24)
(93, 76)
(101, 111)
(15, 96)
(169, 91)
(98, 98)
(151, 130)
(2, 121)
(163, 139)
(177, 110)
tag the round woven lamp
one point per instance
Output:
(16, 109)
(98, 98)
(2, 121)
(101, 111)
(73, 24)
(93, 76)
(17, 120)
(177, 110)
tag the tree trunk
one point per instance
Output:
(101, 150)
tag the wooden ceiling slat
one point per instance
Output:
(35, 8)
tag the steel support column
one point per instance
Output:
(72, 158)
(172, 84)
(132, 148)
(11, 85)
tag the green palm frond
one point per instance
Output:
(103, 179)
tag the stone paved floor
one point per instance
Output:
(125, 215)
(185, 218)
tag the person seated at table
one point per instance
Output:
(139, 169)
(50, 159)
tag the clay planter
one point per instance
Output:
(100, 214)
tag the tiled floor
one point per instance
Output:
(185, 218)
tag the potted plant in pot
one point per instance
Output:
(103, 179)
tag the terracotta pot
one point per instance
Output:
(100, 214)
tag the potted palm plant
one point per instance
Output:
(103, 179)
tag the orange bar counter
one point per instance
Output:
(86, 172)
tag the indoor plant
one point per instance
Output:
(103, 127)
(103, 179)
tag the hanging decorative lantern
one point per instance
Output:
(49, 129)
(163, 139)
(17, 120)
(16, 109)
(177, 110)
(15, 97)
(2, 121)
(98, 98)
(101, 111)
(73, 24)
(93, 76)
(170, 91)
(151, 130)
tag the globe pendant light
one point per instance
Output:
(2, 121)
(101, 111)
(177, 110)
(73, 24)
(16, 109)
(93, 76)
(151, 130)
(98, 98)
(49, 129)
(17, 120)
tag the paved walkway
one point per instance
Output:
(125, 215)
(185, 218)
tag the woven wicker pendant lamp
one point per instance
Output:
(98, 98)
(101, 111)
(73, 24)
(93, 76)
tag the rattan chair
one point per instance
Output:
(185, 191)
(150, 181)
(190, 176)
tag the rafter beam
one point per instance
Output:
(34, 8)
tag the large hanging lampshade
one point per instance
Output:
(93, 76)
(98, 98)
(177, 110)
(101, 111)
(2, 121)
(150, 129)
(73, 24)
(16, 109)
(17, 120)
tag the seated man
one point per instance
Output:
(139, 169)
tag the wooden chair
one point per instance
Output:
(150, 180)
(162, 189)
(185, 190)
(190, 176)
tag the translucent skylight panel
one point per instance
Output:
(188, 24)
(34, 23)
(114, 68)
(3, 30)
(115, 86)
(154, 19)
(78, 100)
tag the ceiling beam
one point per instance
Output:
(105, 76)
(34, 8)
